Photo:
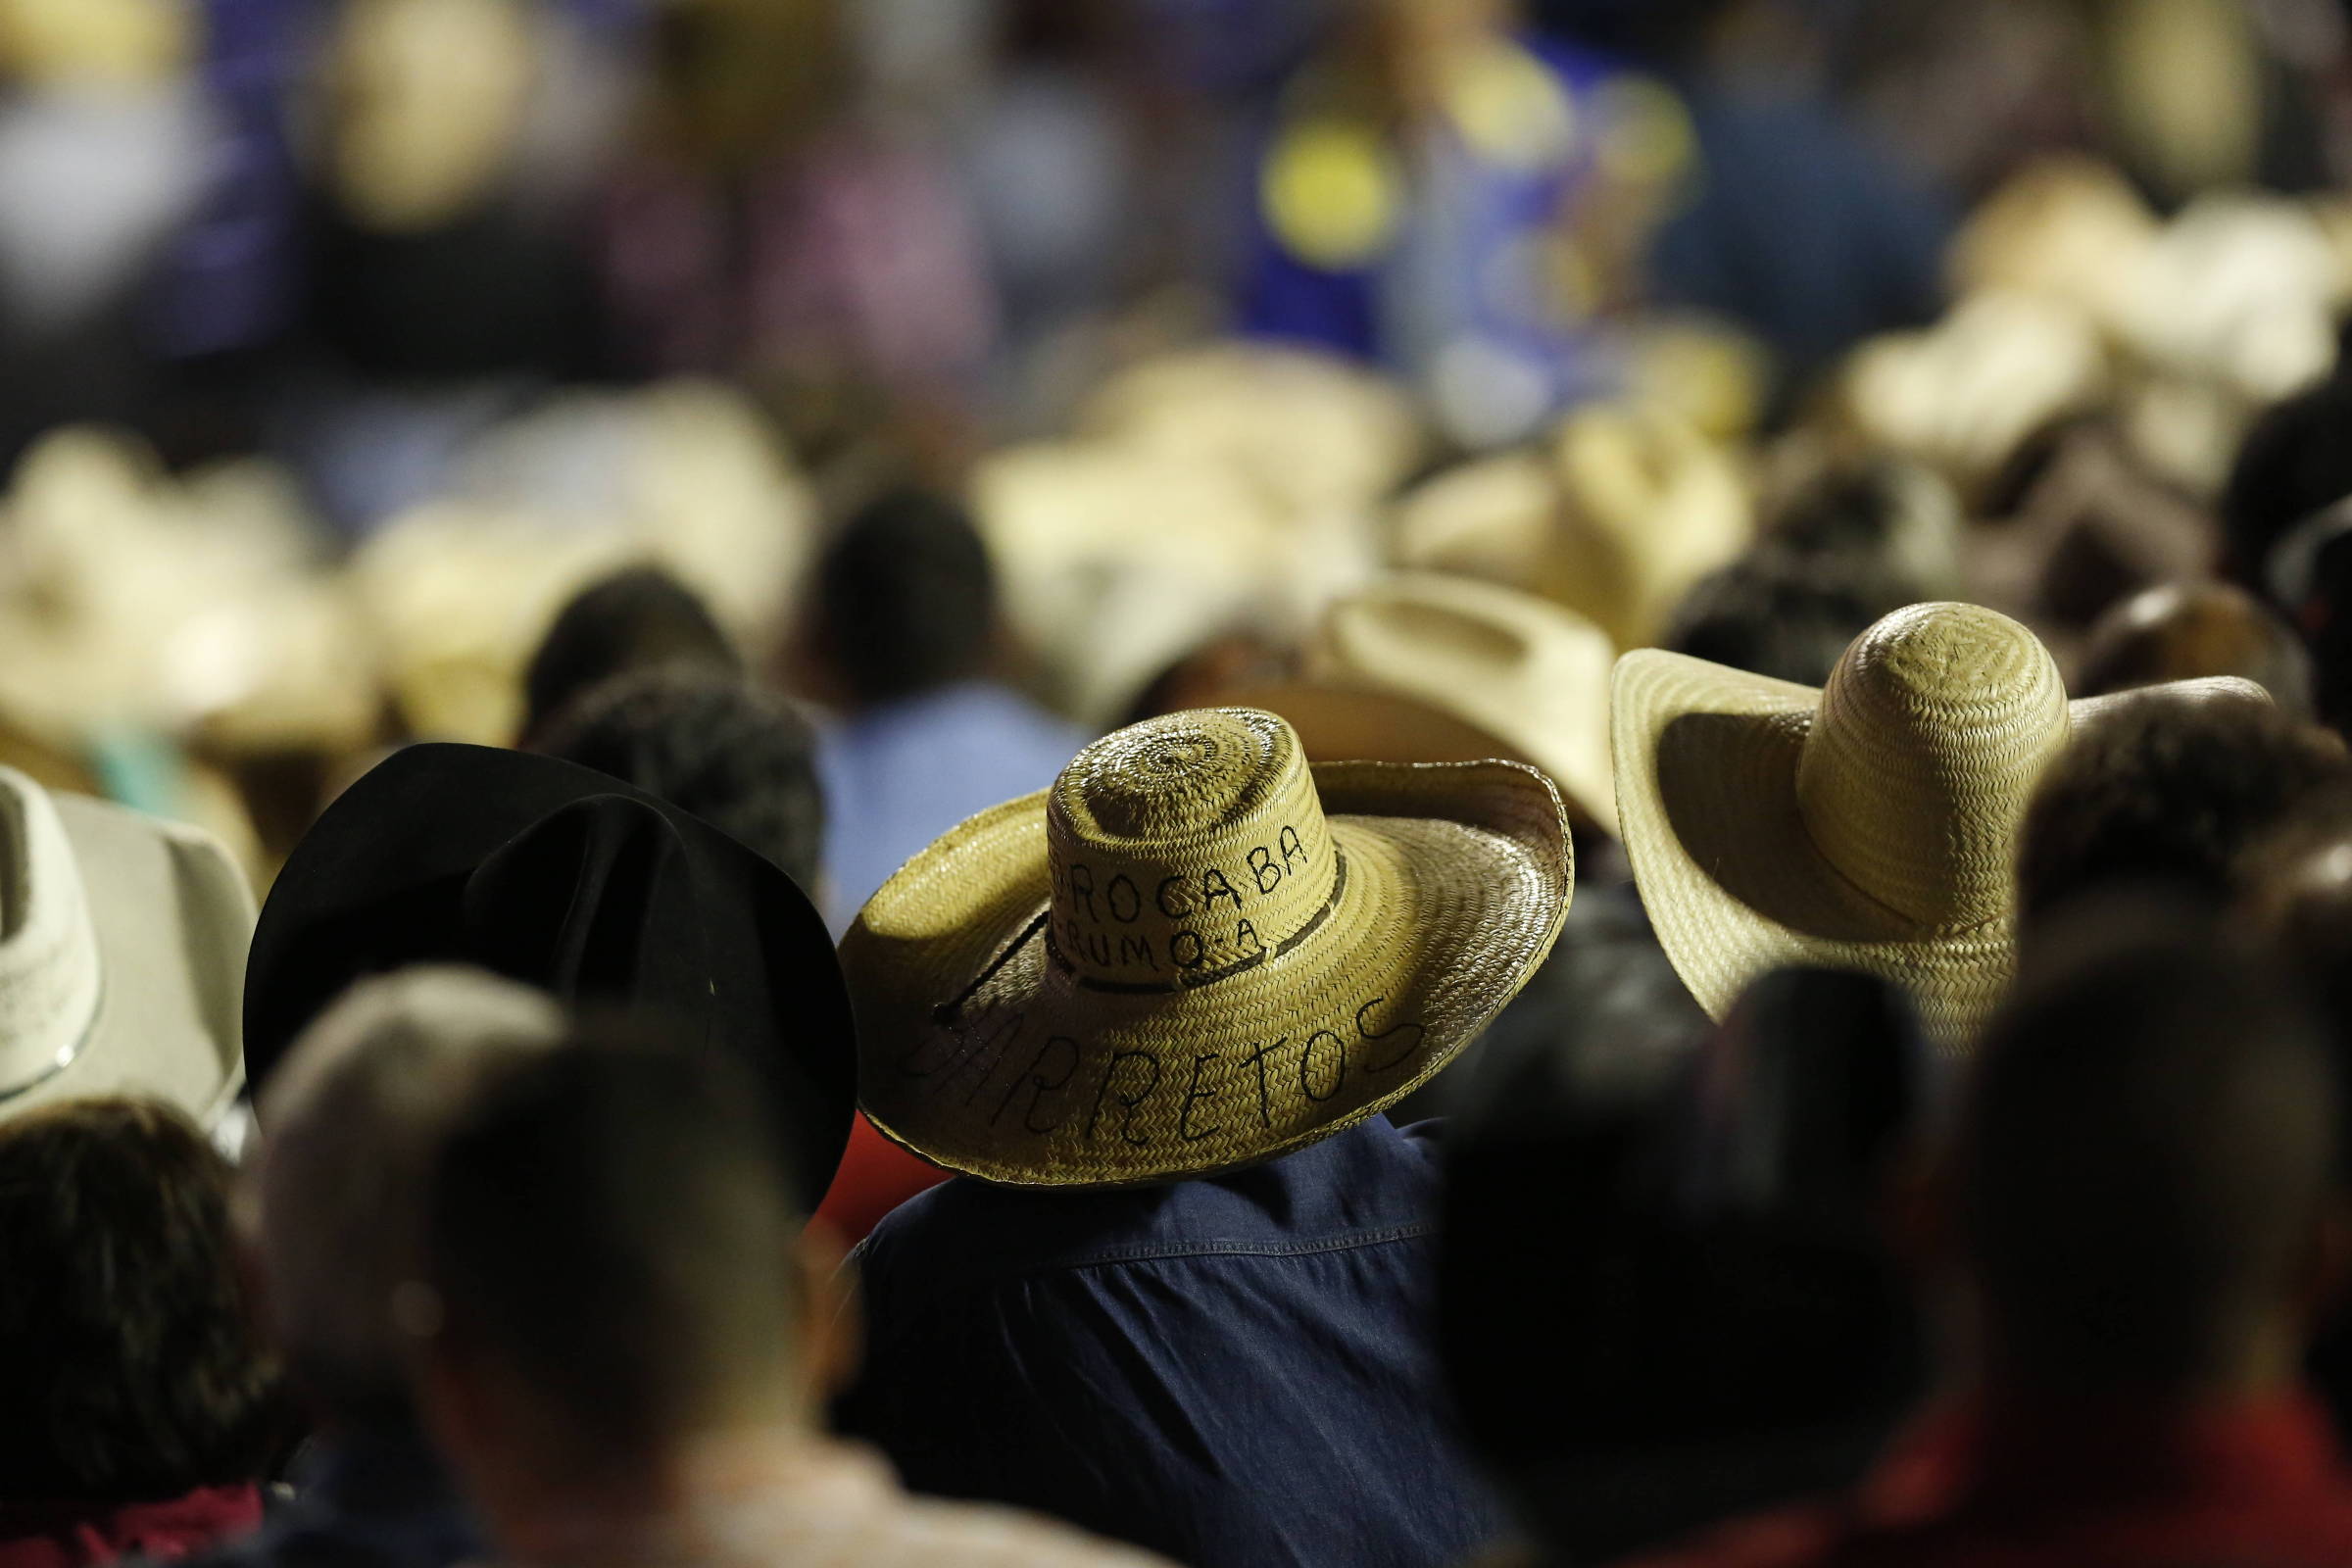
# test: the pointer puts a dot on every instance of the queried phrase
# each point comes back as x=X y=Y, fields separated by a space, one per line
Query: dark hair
x=2145 y=1143
x=129 y=1368
x=610 y=1225
x=635 y=619
x=737 y=757
x=2294 y=461
x=1783 y=614
x=2170 y=790
x=906 y=599
x=2183 y=631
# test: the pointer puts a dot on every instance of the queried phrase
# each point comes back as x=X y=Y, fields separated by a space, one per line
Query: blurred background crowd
x=346 y=340
x=830 y=416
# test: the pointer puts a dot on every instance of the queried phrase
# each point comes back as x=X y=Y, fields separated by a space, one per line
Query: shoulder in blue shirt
x=1231 y=1371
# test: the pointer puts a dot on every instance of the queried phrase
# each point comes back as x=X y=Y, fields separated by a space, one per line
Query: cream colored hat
x=1871 y=825
x=1442 y=664
x=1195 y=953
x=1311 y=430
x=1617 y=521
x=1966 y=394
x=122 y=956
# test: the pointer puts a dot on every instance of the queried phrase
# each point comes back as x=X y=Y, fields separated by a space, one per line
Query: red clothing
x=875 y=1177
x=71 y=1535
x=2065 y=1486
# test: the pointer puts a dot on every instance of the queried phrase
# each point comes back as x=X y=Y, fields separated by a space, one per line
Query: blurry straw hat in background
x=1707 y=371
x=105 y=562
x=2240 y=289
x=1627 y=509
x=688 y=470
x=1315 y=432
x=122 y=968
x=458 y=597
x=1422 y=667
x=1965 y=394
x=1196 y=952
x=1116 y=561
x=2066 y=228
x=1871 y=825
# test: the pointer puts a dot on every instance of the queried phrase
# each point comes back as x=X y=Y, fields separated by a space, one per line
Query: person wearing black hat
x=588 y=892
x=572 y=882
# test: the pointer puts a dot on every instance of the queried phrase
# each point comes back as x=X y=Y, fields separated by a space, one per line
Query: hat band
x=945 y=1013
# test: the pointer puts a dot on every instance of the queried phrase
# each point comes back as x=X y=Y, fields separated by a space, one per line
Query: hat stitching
x=1194 y=982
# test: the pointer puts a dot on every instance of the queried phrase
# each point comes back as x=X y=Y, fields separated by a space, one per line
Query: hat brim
x=172 y=915
x=984 y=1053
x=1706 y=791
x=1337 y=723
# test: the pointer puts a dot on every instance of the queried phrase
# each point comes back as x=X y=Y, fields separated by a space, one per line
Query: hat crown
x=1185 y=848
x=1932 y=732
x=49 y=956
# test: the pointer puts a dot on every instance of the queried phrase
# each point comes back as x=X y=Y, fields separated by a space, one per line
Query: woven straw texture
x=1195 y=953
x=1870 y=825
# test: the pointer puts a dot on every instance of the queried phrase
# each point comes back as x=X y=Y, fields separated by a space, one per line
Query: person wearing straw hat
x=1156 y=1011
x=1870 y=824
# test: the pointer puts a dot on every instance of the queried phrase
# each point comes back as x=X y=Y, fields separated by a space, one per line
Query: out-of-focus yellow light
x=96 y=41
x=1511 y=108
x=433 y=93
x=1332 y=195
x=1647 y=138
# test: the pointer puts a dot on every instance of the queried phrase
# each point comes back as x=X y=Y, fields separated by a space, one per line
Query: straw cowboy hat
x=1627 y=509
x=1118 y=559
x=123 y=966
x=1420 y=668
x=1870 y=825
x=1967 y=393
x=1312 y=430
x=1196 y=952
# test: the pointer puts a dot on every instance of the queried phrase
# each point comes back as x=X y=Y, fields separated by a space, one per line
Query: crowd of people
x=1378 y=784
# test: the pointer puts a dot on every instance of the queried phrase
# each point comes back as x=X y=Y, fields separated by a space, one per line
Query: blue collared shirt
x=898 y=776
x=1236 y=1372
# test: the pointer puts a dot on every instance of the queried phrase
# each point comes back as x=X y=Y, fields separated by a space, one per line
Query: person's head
x=2138 y=1194
x=741 y=760
x=129 y=1364
x=2295 y=462
x=905 y=599
x=1879 y=521
x=2172 y=790
x=1781 y=614
x=2187 y=631
x=352 y=1118
x=638 y=619
x=2296 y=892
x=620 y=1278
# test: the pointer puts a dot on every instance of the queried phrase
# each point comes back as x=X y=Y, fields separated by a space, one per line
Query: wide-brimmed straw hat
x=125 y=957
x=1628 y=508
x=1424 y=667
x=1869 y=825
x=1196 y=952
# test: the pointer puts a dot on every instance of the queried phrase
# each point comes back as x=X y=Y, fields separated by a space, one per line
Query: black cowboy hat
x=564 y=879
